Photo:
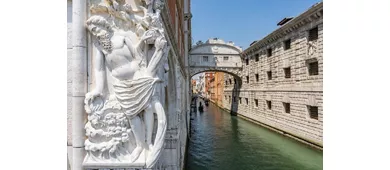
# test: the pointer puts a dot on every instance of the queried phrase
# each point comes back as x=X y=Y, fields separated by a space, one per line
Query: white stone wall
x=218 y=53
x=301 y=90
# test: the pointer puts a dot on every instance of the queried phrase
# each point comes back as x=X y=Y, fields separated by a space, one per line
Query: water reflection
x=221 y=141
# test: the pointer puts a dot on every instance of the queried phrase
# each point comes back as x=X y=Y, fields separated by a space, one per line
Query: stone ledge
x=281 y=89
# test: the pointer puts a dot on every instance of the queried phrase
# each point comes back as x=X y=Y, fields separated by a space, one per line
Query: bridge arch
x=234 y=73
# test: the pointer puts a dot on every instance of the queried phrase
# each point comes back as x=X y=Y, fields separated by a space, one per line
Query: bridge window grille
x=256 y=102
x=247 y=61
x=313 y=112
x=247 y=79
x=230 y=81
x=287 y=72
x=287 y=44
x=257 y=77
x=240 y=100
x=286 y=107
x=257 y=56
x=225 y=58
x=269 y=74
x=269 y=52
x=205 y=58
x=313 y=68
x=246 y=101
x=269 y=105
x=226 y=82
x=313 y=34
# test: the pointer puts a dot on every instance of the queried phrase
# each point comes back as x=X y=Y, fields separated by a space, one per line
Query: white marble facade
x=133 y=73
x=215 y=55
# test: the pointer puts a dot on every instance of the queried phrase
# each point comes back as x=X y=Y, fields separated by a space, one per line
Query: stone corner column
x=79 y=77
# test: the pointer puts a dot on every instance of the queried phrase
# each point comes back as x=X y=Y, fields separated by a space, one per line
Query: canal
x=221 y=141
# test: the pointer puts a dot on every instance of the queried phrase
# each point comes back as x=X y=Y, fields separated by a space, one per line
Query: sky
x=241 y=21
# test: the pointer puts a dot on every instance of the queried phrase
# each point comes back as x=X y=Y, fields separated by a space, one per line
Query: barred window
x=287 y=44
x=269 y=74
x=287 y=72
x=205 y=58
x=257 y=77
x=256 y=102
x=257 y=57
x=269 y=52
x=313 y=68
x=246 y=101
x=269 y=105
x=313 y=112
x=225 y=58
x=286 y=107
x=313 y=34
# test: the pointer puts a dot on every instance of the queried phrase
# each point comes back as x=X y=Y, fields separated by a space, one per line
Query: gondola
x=200 y=108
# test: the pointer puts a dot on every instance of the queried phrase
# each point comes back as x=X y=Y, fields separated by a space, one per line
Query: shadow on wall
x=235 y=95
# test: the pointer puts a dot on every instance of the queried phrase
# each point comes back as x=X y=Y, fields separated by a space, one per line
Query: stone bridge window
x=247 y=61
x=256 y=102
x=257 y=77
x=230 y=81
x=246 y=101
x=205 y=58
x=225 y=58
x=247 y=79
x=257 y=57
x=313 y=34
x=240 y=100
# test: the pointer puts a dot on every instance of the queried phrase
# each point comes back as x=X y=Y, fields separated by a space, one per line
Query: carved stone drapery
x=130 y=43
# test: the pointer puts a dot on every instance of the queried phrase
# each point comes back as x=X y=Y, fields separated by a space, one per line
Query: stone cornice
x=295 y=88
x=212 y=54
x=313 y=13
x=210 y=44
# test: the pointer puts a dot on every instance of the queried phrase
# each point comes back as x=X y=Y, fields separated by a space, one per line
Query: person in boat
x=200 y=107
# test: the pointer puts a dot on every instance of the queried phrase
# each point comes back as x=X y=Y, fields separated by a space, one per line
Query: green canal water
x=221 y=141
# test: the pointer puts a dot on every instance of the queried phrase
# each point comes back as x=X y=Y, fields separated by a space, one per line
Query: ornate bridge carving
x=215 y=55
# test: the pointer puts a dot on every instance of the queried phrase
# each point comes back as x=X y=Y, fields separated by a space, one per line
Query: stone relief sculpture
x=131 y=50
x=312 y=48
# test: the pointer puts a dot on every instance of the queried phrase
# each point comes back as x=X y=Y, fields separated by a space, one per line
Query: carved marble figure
x=121 y=119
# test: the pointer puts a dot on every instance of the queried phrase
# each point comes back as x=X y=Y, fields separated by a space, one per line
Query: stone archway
x=235 y=91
